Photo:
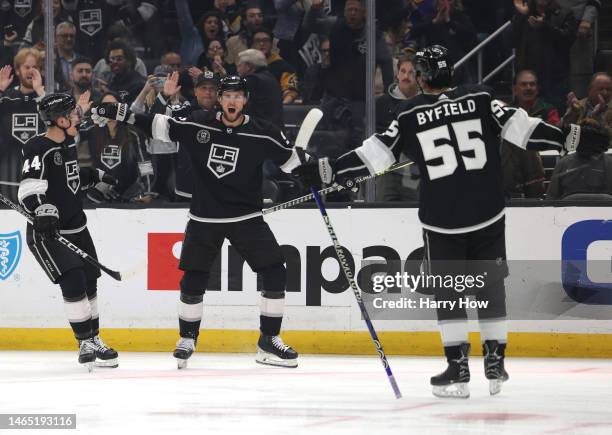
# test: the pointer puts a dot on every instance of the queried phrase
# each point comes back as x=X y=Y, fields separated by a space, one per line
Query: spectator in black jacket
x=313 y=85
x=451 y=28
x=344 y=99
x=126 y=82
x=543 y=33
x=265 y=100
x=118 y=149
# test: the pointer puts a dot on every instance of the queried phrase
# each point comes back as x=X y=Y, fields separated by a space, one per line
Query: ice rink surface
x=230 y=394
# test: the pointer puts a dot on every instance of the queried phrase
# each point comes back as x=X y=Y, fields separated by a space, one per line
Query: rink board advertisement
x=145 y=246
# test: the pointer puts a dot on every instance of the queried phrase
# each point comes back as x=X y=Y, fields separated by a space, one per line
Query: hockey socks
x=272 y=308
x=190 y=315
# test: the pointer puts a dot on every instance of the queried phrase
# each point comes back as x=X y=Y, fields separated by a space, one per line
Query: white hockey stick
x=309 y=124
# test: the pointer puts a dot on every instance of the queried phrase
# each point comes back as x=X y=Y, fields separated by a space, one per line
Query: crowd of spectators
x=294 y=54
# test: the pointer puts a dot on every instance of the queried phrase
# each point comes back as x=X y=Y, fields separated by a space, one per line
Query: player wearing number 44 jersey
x=50 y=189
x=453 y=135
x=227 y=155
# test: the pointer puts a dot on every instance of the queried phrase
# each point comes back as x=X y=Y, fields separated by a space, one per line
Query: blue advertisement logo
x=10 y=252
x=574 y=246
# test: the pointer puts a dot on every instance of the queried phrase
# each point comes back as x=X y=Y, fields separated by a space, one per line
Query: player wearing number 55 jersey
x=50 y=189
x=453 y=135
x=227 y=154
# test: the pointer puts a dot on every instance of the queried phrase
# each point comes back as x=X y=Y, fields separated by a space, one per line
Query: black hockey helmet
x=433 y=65
x=53 y=106
x=232 y=83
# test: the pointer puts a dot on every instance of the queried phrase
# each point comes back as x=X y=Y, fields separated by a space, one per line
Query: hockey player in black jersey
x=227 y=153
x=453 y=135
x=50 y=188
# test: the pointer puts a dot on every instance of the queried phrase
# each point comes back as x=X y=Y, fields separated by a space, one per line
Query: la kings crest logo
x=72 y=176
x=23 y=7
x=222 y=160
x=25 y=126
x=111 y=156
x=90 y=21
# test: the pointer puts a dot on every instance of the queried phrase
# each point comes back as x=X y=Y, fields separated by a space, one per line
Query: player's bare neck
x=238 y=122
x=56 y=134
x=432 y=91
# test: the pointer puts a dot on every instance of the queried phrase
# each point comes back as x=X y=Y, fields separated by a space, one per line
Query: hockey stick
x=349 y=277
x=67 y=243
x=334 y=188
x=309 y=124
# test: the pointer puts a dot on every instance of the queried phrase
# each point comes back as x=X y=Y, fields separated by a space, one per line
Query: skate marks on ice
x=229 y=393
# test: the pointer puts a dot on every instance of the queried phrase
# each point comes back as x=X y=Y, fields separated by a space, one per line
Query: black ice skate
x=87 y=353
x=494 y=353
x=272 y=351
x=453 y=382
x=184 y=349
x=105 y=356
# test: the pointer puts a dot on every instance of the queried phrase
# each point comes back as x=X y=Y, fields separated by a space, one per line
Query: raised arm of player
x=377 y=153
x=524 y=131
x=157 y=126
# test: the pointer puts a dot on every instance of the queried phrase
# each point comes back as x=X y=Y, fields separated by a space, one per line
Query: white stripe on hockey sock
x=494 y=329
x=272 y=307
x=79 y=311
x=454 y=332
x=93 y=303
x=190 y=312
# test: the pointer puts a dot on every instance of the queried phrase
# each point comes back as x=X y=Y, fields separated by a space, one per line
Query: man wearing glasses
x=65 y=34
x=126 y=81
x=227 y=154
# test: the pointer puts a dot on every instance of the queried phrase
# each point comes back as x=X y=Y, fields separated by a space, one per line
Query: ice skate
x=453 y=382
x=494 y=353
x=105 y=356
x=272 y=351
x=87 y=353
x=184 y=349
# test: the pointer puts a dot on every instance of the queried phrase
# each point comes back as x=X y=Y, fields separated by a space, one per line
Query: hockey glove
x=585 y=139
x=118 y=111
x=107 y=178
x=46 y=220
x=315 y=172
x=103 y=192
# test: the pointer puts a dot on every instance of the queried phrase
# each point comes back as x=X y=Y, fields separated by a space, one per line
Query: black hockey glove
x=118 y=111
x=585 y=139
x=315 y=172
x=46 y=220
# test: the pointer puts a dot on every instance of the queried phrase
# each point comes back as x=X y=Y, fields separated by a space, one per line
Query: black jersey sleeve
x=524 y=131
x=280 y=150
x=34 y=175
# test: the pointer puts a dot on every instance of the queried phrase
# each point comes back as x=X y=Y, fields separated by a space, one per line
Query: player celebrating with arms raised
x=51 y=183
x=227 y=154
x=453 y=135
